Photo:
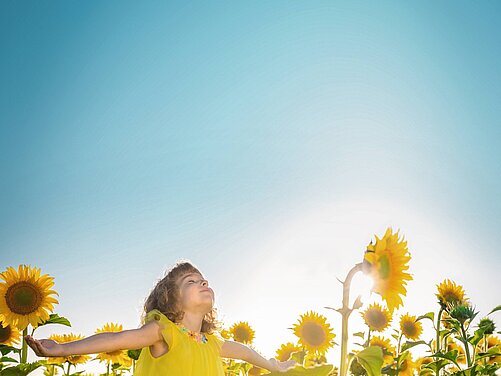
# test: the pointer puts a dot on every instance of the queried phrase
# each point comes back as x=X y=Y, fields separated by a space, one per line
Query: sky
x=267 y=142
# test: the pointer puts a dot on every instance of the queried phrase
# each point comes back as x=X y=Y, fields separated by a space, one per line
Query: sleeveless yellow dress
x=186 y=356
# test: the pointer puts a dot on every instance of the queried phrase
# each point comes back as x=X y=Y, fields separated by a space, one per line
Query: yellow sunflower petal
x=376 y=317
x=410 y=328
x=25 y=297
x=387 y=263
x=314 y=333
x=9 y=335
x=242 y=332
x=285 y=351
x=449 y=293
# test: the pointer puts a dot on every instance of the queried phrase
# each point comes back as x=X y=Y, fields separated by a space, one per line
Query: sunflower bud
x=487 y=326
x=462 y=312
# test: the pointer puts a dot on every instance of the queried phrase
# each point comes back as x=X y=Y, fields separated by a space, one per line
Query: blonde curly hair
x=165 y=297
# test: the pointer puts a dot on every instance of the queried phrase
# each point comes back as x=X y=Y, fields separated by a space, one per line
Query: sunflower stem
x=398 y=353
x=438 y=329
x=437 y=340
x=345 y=312
x=485 y=348
x=107 y=369
x=465 y=343
x=68 y=369
x=24 y=349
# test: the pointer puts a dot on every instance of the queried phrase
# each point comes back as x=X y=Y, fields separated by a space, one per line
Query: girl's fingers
x=40 y=348
x=37 y=347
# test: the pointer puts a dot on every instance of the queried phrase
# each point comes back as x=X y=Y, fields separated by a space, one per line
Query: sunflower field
x=463 y=343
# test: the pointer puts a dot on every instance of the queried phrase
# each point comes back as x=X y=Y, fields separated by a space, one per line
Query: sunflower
x=9 y=335
x=492 y=341
x=385 y=344
x=242 y=332
x=286 y=350
x=73 y=359
x=408 y=366
x=410 y=328
x=117 y=356
x=314 y=333
x=312 y=360
x=386 y=262
x=25 y=296
x=376 y=317
x=421 y=362
x=445 y=319
x=450 y=293
x=452 y=345
x=225 y=334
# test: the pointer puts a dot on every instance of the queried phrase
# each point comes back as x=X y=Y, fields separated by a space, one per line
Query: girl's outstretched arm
x=236 y=350
x=147 y=335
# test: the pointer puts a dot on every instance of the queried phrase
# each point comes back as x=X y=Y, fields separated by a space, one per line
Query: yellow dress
x=186 y=356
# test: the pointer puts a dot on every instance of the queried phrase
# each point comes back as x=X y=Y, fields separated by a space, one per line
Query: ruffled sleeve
x=168 y=327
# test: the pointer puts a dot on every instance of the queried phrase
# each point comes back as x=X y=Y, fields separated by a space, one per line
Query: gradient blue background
x=267 y=141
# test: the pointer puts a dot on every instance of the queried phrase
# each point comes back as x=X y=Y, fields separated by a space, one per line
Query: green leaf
x=4 y=349
x=54 y=318
x=437 y=365
x=498 y=308
x=298 y=356
x=409 y=344
x=477 y=337
x=451 y=356
x=371 y=358
x=322 y=370
x=134 y=354
x=389 y=370
x=429 y=316
x=5 y=359
x=22 y=369
x=359 y=334
x=401 y=358
x=493 y=351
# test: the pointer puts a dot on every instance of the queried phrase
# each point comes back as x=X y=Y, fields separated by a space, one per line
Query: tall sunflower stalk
x=386 y=262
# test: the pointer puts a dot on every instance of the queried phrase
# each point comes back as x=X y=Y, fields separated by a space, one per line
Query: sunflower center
x=451 y=297
x=409 y=329
x=384 y=267
x=5 y=333
x=23 y=298
x=313 y=334
x=241 y=335
x=376 y=319
x=114 y=353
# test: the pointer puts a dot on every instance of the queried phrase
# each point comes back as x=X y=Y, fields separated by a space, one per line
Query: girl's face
x=196 y=295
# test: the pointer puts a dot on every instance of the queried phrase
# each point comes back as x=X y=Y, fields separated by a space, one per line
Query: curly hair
x=166 y=293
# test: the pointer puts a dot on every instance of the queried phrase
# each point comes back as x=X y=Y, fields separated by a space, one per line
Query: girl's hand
x=277 y=366
x=44 y=347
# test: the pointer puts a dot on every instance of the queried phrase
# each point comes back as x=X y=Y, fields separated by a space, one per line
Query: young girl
x=178 y=337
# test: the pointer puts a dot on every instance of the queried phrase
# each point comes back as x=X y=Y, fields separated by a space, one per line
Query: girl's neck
x=192 y=321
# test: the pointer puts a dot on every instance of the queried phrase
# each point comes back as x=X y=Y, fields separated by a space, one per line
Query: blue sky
x=266 y=141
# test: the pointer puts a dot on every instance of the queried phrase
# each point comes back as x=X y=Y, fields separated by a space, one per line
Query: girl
x=178 y=337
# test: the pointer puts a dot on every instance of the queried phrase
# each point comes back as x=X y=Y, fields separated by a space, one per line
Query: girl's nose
x=205 y=283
